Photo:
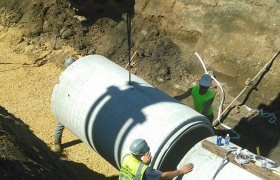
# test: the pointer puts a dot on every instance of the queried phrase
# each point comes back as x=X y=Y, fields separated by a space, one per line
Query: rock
x=92 y=50
x=20 y=39
x=67 y=33
x=144 y=32
x=80 y=18
x=163 y=72
x=159 y=79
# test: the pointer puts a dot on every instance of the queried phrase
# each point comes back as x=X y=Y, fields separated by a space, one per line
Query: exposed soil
x=36 y=37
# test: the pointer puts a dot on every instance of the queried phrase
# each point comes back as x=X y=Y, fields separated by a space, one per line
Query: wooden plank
x=251 y=167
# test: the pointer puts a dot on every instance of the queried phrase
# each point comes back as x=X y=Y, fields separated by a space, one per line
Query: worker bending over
x=60 y=127
x=135 y=166
x=202 y=96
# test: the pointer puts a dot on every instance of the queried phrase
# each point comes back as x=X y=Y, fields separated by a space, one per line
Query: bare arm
x=184 y=95
x=183 y=170
x=207 y=106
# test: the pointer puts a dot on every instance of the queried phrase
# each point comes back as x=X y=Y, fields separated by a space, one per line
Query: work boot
x=56 y=148
x=56 y=145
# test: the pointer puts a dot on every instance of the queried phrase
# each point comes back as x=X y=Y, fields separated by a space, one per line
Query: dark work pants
x=58 y=133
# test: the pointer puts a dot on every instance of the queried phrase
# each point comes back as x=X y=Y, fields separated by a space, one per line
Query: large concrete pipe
x=95 y=101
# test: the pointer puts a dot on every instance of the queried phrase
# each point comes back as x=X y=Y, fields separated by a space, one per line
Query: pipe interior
x=182 y=144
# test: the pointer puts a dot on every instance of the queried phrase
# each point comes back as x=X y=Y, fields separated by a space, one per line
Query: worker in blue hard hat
x=203 y=97
x=136 y=164
x=60 y=127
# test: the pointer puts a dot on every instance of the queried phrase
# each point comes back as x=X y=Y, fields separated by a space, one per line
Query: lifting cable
x=128 y=25
x=223 y=163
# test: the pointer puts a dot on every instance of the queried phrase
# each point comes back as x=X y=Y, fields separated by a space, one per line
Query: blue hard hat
x=205 y=80
x=139 y=147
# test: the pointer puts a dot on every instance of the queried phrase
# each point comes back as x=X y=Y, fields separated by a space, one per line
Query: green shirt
x=200 y=100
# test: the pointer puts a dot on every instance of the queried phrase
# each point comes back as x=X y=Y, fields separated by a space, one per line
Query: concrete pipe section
x=208 y=164
x=95 y=101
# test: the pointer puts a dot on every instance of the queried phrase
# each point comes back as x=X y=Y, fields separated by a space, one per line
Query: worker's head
x=68 y=61
x=139 y=147
x=205 y=81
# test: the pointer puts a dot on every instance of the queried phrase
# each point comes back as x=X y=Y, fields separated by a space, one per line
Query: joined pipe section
x=95 y=102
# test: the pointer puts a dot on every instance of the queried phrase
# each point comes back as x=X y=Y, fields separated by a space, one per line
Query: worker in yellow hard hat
x=203 y=97
x=136 y=164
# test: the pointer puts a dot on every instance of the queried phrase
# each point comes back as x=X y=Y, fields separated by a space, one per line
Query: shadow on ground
x=260 y=130
x=25 y=156
x=94 y=10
